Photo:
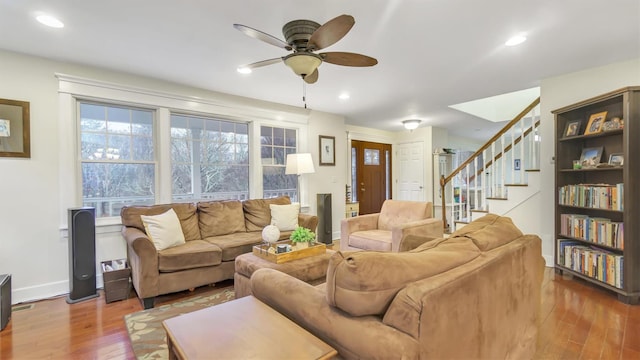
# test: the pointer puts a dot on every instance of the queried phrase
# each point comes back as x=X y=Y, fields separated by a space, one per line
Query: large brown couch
x=474 y=295
x=215 y=233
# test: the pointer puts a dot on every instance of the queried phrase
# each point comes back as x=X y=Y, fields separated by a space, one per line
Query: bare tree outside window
x=117 y=157
x=275 y=144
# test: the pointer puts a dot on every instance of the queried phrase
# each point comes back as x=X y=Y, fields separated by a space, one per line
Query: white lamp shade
x=303 y=63
x=299 y=164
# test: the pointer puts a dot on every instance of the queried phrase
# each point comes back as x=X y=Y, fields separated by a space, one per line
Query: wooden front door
x=373 y=175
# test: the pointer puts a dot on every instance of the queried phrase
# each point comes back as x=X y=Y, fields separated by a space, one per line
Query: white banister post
x=503 y=164
x=475 y=183
x=522 y=145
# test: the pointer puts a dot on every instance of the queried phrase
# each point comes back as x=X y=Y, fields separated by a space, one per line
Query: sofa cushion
x=164 y=229
x=186 y=212
x=377 y=240
x=257 y=214
x=398 y=212
x=490 y=231
x=233 y=245
x=365 y=282
x=220 y=218
x=190 y=255
x=285 y=217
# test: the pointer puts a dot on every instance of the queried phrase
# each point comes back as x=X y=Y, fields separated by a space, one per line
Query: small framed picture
x=613 y=124
x=590 y=157
x=616 y=159
x=572 y=128
x=595 y=123
x=327 y=150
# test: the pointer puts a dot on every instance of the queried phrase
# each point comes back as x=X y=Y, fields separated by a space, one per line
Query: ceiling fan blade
x=330 y=32
x=257 y=34
x=312 y=78
x=348 y=59
x=258 y=64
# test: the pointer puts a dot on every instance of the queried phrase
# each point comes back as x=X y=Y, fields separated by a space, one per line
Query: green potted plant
x=301 y=237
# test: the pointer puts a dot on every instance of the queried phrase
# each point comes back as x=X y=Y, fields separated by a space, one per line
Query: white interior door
x=411 y=175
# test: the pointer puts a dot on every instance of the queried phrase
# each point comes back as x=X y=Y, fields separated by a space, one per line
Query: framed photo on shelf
x=327 y=150
x=613 y=124
x=595 y=123
x=590 y=157
x=616 y=159
x=572 y=128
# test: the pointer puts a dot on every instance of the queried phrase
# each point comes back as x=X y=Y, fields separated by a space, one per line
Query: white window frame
x=71 y=89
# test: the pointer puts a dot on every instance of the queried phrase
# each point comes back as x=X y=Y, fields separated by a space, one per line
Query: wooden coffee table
x=241 y=329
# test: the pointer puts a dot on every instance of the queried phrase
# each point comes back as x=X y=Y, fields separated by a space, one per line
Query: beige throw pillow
x=285 y=217
x=164 y=230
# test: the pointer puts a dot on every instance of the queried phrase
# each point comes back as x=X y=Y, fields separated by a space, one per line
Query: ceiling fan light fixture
x=411 y=124
x=303 y=63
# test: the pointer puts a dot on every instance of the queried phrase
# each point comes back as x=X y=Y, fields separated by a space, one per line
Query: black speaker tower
x=324 y=233
x=5 y=300
x=82 y=254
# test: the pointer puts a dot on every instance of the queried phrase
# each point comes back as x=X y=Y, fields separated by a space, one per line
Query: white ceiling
x=431 y=53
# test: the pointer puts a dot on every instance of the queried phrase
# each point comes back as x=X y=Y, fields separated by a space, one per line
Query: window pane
x=142 y=148
x=142 y=122
x=109 y=186
x=278 y=156
x=210 y=163
x=278 y=137
x=266 y=135
x=109 y=178
x=290 y=136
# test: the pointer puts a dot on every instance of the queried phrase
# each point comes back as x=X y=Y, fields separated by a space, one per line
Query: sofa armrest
x=143 y=261
x=307 y=306
x=427 y=229
x=358 y=223
x=308 y=221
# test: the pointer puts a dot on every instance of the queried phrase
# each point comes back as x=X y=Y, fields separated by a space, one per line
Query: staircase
x=502 y=177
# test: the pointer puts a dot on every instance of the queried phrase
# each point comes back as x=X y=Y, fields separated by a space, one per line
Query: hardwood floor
x=579 y=321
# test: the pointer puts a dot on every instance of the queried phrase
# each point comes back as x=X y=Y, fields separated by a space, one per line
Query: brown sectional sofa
x=215 y=233
x=474 y=295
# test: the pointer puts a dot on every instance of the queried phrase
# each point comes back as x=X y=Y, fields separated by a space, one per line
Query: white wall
x=558 y=92
x=34 y=193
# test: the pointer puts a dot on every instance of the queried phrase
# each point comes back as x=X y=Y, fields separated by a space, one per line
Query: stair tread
x=497 y=198
x=516 y=184
x=461 y=221
x=533 y=170
x=479 y=210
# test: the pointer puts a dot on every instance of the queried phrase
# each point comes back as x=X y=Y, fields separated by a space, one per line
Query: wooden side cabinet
x=597 y=200
x=352 y=209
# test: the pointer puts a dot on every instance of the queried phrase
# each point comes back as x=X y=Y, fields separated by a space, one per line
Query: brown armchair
x=388 y=230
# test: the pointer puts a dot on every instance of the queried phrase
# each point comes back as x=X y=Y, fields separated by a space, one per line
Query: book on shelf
x=599 y=196
x=596 y=230
x=591 y=261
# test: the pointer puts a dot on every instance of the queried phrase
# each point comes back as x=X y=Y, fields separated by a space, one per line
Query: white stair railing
x=499 y=162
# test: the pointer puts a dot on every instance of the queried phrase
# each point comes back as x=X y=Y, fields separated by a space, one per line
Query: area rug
x=148 y=338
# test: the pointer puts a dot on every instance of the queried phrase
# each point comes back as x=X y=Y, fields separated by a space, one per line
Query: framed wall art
x=595 y=123
x=327 y=150
x=15 y=139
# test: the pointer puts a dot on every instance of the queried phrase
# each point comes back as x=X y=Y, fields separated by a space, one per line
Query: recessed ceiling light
x=344 y=96
x=244 y=70
x=49 y=21
x=516 y=40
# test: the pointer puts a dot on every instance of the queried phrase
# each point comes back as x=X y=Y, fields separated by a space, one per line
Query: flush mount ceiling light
x=516 y=40
x=49 y=21
x=344 y=96
x=244 y=70
x=411 y=124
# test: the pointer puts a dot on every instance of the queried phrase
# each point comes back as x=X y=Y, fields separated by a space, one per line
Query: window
x=117 y=157
x=209 y=158
x=275 y=144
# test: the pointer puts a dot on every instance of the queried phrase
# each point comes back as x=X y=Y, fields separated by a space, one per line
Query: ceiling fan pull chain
x=304 y=93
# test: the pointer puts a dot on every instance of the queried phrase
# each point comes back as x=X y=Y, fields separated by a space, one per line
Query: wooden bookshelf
x=590 y=259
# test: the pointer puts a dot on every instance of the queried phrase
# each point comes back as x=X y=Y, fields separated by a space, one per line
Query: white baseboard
x=45 y=291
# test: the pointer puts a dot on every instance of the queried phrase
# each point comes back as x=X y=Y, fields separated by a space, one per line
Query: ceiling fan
x=304 y=38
